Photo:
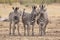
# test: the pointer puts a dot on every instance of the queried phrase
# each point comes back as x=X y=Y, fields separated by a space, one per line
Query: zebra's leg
x=10 y=29
x=44 y=29
x=14 y=29
x=40 y=29
x=45 y=25
x=28 y=29
x=24 y=30
x=18 y=29
x=32 y=30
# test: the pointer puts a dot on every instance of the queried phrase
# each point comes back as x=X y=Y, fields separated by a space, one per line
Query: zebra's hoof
x=24 y=34
x=19 y=34
x=28 y=35
x=14 y=35
x=9 y=33
x=40 y=34
x=32 y=34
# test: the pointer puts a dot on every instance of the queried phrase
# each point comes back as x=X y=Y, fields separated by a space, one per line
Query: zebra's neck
x=15 y=11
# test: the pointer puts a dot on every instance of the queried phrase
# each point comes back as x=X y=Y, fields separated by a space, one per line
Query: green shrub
x=30 y=1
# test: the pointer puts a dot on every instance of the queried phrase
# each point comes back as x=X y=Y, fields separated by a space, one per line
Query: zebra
x=29 y=19
x=14 y=18
x=42 y=20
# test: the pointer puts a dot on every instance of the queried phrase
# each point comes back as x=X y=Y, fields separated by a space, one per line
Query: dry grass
x=52 y=30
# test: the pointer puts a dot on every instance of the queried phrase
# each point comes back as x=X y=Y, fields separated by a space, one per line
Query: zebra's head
x=15 y=9
x=34 y=7
x=34 y=12
x=42 y=8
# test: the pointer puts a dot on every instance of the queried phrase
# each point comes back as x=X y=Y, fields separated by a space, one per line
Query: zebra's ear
x=34 y=7
x=40 y=5
x=13 y=8
x=17 y=8
x=44 y=6
x=23 y=9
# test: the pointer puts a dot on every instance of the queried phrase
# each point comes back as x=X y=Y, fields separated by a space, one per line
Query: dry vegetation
x=52 y=30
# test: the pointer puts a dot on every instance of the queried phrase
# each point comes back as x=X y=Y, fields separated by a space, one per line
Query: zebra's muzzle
x=16 y=19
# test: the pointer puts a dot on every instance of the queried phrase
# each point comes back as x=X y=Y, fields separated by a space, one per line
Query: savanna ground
x=52 y=30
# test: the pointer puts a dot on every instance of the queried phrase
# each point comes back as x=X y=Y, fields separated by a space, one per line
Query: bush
x=30 y=1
